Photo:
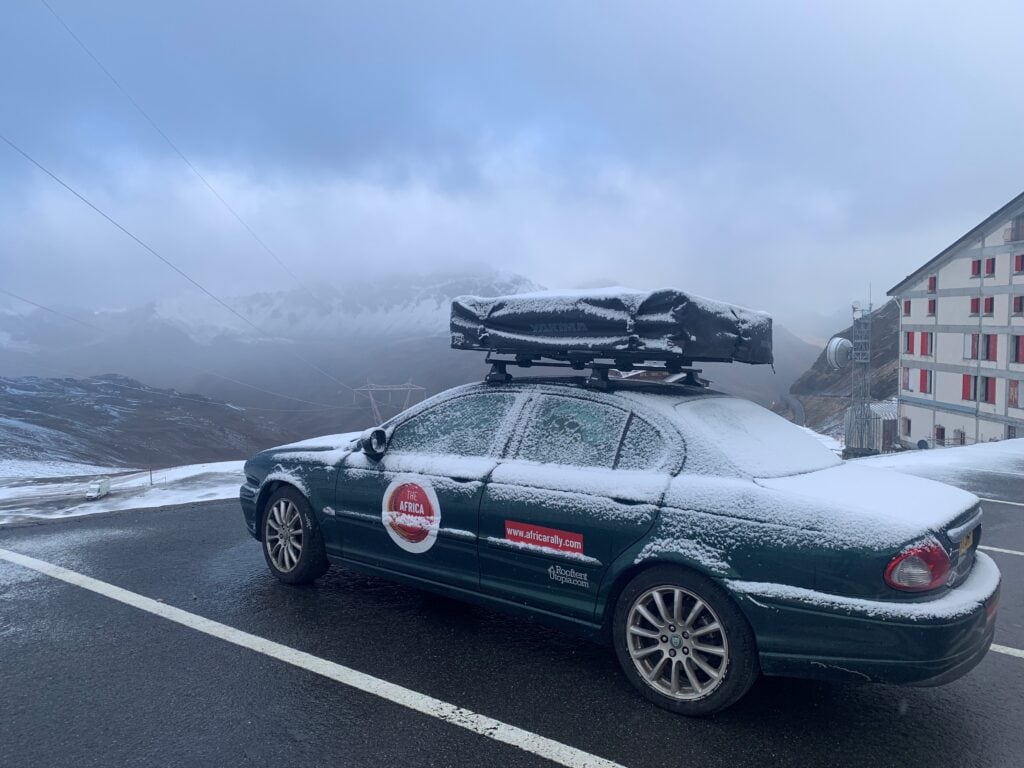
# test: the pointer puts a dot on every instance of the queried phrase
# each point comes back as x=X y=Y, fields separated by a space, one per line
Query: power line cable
x=184 y=159
x=162 y=258
x=112 y=334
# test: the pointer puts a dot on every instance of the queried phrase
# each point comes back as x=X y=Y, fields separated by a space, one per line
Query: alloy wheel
x=677 y=643
x=283 y=535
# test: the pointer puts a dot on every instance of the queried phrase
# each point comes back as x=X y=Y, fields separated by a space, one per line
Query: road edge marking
x=1000 y=549
x=1008 y=650
x=1002 y=501
x=549 y=749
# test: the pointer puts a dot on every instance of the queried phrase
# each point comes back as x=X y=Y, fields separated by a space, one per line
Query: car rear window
x=756 y=441
x=464 y=426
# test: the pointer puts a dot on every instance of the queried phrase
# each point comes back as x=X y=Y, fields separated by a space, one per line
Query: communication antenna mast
x=860 y=426
x=387 y=400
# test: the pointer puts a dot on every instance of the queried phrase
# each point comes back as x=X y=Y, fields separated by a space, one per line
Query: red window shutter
x=966 y=392
x=990 y=305
x=974 y=346
x=926 y=343
x=1018 y=262
x=924 y=381
x=993 y=347
x=906 y=306
x=910 y=342
x=975 y=305
x=990 y=266
x=1020 y=349
x=990 y=390
x=931 y=284
x=931 y=306
x=976 y=267
x=1013 y=394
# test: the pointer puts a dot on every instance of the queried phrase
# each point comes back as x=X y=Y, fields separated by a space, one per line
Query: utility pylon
x=390 y=398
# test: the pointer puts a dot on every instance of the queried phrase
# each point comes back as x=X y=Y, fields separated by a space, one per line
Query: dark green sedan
x=707 y=539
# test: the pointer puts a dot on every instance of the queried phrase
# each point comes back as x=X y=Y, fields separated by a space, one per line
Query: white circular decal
x=411 y=513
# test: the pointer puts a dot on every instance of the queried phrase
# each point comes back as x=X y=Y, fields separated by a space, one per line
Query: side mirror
x=374 y=442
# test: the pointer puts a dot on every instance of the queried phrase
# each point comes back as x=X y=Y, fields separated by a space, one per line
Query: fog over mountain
x=304 y=372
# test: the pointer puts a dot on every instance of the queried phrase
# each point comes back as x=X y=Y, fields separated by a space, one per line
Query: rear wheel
x=682 y=642
x=292 y=544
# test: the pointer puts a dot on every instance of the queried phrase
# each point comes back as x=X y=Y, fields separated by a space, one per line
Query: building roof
x=1016 y=205
x=887 y=410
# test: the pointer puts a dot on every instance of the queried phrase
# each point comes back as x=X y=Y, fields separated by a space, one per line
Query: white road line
x=1008 y=651
x=1000 y=549
x=549 y=749
x=1003 y=501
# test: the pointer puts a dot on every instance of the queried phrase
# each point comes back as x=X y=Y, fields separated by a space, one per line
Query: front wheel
x=292 y=543
x=682 y=642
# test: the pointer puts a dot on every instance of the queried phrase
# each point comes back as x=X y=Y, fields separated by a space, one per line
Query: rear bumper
x=801 y=633
x=247 y=496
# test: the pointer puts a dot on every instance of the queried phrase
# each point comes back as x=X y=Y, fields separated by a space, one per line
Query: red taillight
x=918 y=568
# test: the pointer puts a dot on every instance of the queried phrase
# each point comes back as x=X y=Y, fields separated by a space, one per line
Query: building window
x=1018 y=263
x=971 y=343
x=989 y=346
x=932 y=305
x=906 y=307
x=926 y=382
x=976 y=306
x=980 y=388
x=1018 y=305
x=976 y=268
x=932 y=280
x=926 y=343
x=959 y=437
x=940 y=435
x=1017 y=228
x=908 y=344
x=990 y=305
x=1017 y=343
x=906 y=380
x=1011 y=432
x=990 y=266
x=1013 y=393
x=906 y=427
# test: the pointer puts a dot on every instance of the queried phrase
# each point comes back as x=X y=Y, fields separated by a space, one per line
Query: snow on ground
x=1002 y=456
x=13 y=469
x=827 y=440
x=58 y=490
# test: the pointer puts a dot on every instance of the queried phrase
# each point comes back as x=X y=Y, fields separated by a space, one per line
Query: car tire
x=682 y=641
x=292 y=543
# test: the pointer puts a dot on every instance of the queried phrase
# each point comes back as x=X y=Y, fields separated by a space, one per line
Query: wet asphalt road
x=87 y=681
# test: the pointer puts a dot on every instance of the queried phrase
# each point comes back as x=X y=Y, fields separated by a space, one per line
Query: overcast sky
x=772 y=154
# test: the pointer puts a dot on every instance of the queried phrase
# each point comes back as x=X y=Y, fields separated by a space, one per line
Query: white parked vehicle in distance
x=98 y=490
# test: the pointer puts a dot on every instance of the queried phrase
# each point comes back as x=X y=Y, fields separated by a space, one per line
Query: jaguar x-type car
x=707 y=539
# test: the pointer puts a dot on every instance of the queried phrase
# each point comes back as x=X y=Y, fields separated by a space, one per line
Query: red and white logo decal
x=411 y=514
x=548 y=538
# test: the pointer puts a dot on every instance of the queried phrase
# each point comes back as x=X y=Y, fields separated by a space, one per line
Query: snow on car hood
x=325 y=443
x=878 y=504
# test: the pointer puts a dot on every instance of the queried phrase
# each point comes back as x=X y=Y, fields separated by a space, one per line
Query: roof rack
x=599 y=368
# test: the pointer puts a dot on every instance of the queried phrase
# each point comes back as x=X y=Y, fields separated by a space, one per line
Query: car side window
x=465 y=426
x=643 y=447
x=569 y=430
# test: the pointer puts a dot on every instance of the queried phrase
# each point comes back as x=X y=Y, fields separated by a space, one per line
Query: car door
x=415 y=510
x=580 y=487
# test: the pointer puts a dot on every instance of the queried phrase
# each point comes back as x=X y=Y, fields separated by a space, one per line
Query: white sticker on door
x=411 y=514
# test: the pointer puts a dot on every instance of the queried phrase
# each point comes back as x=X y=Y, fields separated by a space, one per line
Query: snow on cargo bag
x=615 y=323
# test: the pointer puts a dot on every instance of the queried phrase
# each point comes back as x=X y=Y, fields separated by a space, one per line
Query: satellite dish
x=838 y=353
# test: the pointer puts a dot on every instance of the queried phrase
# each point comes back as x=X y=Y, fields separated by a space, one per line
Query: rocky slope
x=824 y=393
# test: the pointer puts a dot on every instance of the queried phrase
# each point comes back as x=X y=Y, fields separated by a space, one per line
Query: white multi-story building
x=962 y=338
